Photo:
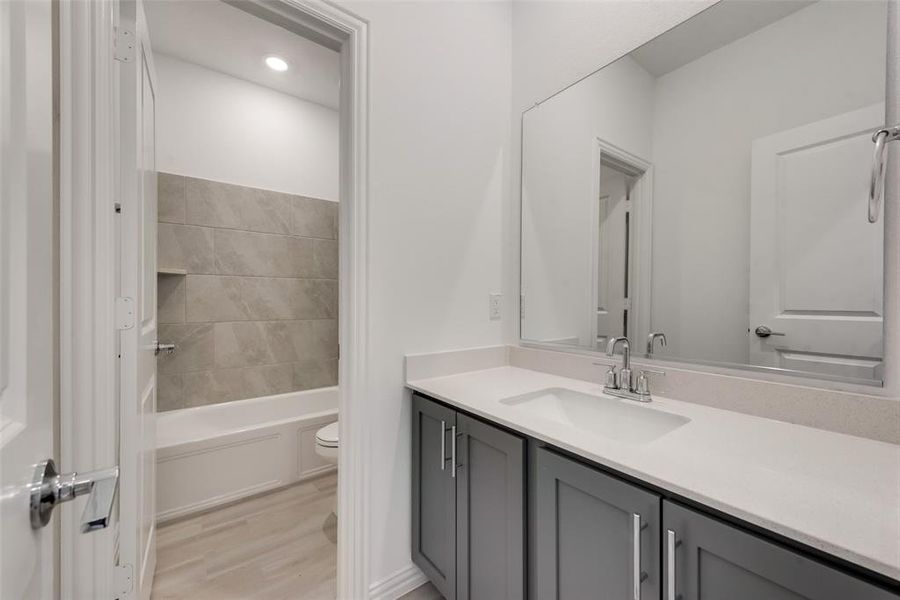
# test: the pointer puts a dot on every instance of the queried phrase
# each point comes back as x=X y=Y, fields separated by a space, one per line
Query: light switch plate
x=496 y=306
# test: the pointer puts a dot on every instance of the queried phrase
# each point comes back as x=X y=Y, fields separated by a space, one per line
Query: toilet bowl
x=327 y=448
x=327 y=443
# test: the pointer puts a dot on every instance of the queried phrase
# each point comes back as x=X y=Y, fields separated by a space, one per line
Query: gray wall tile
x=185 y=247
x=263 y=254
x=168 y=391
x=233 y=298
x=170 y=194
x=246 y=343
x=325 y=256
x=195 y=350
x=256 y=313
x=315 y=218
x=170 y=298
x=314 y=373
x=216 y=204
x=225 y=385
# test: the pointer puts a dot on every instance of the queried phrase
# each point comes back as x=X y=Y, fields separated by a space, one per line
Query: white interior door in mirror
x=816 y=262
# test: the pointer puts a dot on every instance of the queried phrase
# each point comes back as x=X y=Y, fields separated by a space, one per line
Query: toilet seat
x=328 y=436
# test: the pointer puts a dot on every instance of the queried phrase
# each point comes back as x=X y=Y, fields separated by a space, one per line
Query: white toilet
x=327 y=443
x=327 y=447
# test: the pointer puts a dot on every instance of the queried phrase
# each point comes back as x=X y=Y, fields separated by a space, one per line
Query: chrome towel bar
x=876 y=186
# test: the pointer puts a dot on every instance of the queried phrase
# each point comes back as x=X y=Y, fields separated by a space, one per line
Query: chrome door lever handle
x=764 y=331
x=49 y=488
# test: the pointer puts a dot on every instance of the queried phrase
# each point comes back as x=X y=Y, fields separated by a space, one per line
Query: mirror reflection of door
x=815 y=262
x=611 y=264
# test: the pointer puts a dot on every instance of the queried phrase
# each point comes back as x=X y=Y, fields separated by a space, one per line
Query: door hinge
x=124 y=580
x=123 y=49
x=627 y=304
x=124 y=313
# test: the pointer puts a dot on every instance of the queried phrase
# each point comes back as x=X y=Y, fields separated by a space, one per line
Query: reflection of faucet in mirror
x=652 y=338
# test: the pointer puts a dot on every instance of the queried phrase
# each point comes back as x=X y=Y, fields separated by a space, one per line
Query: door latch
x=49 y=488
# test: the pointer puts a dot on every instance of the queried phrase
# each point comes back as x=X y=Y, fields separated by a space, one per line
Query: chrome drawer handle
x=637 y=576
x=443 y=445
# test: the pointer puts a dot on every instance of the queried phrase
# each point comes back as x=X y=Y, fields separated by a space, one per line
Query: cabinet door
x=707 y=559
x=490 y=518
x=595 y=536
x=434 y=494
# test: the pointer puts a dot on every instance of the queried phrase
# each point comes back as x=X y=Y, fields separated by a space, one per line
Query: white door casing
x=638 y=173
x=815 y=261
x=137 y=181
x=28 y=345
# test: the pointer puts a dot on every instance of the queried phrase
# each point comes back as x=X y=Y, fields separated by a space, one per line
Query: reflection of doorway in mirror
x=620 y=228
x=816 y=290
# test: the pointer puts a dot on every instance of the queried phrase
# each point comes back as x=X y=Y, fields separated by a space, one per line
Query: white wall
x=555 y=43
x=439 y=118
x=214 y=126
x=559 y=192
x=821 y=61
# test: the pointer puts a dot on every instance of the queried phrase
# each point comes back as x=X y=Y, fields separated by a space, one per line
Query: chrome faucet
x=624 y=380
x=652 y=338
x=622 y=384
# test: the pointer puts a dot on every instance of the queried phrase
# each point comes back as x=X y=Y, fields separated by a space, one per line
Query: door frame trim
x=87 y=80
x=88 y=407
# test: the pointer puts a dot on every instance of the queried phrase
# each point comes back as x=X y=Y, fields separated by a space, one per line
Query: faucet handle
x=651 y=372
x=612 y=378
x=642 y=385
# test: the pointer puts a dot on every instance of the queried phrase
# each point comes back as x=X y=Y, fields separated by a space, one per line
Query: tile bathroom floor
x=277 y=546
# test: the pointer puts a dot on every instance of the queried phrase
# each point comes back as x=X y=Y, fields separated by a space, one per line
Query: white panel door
x=137 y=174
x=27 y=308
x=815 y=261
x=610 y=255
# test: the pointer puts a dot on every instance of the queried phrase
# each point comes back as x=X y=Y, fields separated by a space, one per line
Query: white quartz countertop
x=834 y=492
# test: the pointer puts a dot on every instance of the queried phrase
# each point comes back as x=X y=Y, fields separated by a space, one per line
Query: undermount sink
x=599 y=415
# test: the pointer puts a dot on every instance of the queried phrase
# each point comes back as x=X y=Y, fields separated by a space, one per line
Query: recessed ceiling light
x=276 y=64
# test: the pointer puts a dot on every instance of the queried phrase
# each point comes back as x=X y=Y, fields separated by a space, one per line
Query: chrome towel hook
x=876 y=186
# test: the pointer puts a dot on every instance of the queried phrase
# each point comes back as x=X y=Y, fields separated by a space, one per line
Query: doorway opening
x=246 y=145
x=620 y=246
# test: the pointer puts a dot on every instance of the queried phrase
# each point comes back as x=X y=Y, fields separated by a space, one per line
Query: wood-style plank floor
x=277 y=546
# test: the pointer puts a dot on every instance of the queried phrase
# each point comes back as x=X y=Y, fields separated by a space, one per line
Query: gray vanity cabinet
x=490 y=513
x=434 y=494
x=468 y=517
x=706 y=559
x=593 y=536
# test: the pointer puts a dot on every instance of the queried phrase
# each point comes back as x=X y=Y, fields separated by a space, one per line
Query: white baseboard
x=401 y=582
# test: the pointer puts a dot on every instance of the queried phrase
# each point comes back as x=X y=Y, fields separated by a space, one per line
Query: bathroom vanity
x=527 y=484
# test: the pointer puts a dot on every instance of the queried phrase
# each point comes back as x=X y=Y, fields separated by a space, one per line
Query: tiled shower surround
x=256 y=311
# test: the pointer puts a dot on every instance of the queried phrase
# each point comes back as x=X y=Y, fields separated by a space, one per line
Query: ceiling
x=711 y=29
x=215 y=35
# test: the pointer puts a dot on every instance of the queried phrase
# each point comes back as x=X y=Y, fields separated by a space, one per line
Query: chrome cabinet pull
x=453 y=451
x=670 y=565
x=49 y=488
x=443 y=445
x=637 y=576
x=765 y=331
x=876 y=184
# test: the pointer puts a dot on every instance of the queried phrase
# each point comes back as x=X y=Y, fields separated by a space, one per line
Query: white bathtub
x=215 y=454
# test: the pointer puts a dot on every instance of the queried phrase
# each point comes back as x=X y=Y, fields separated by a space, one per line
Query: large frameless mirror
x=712 y=186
